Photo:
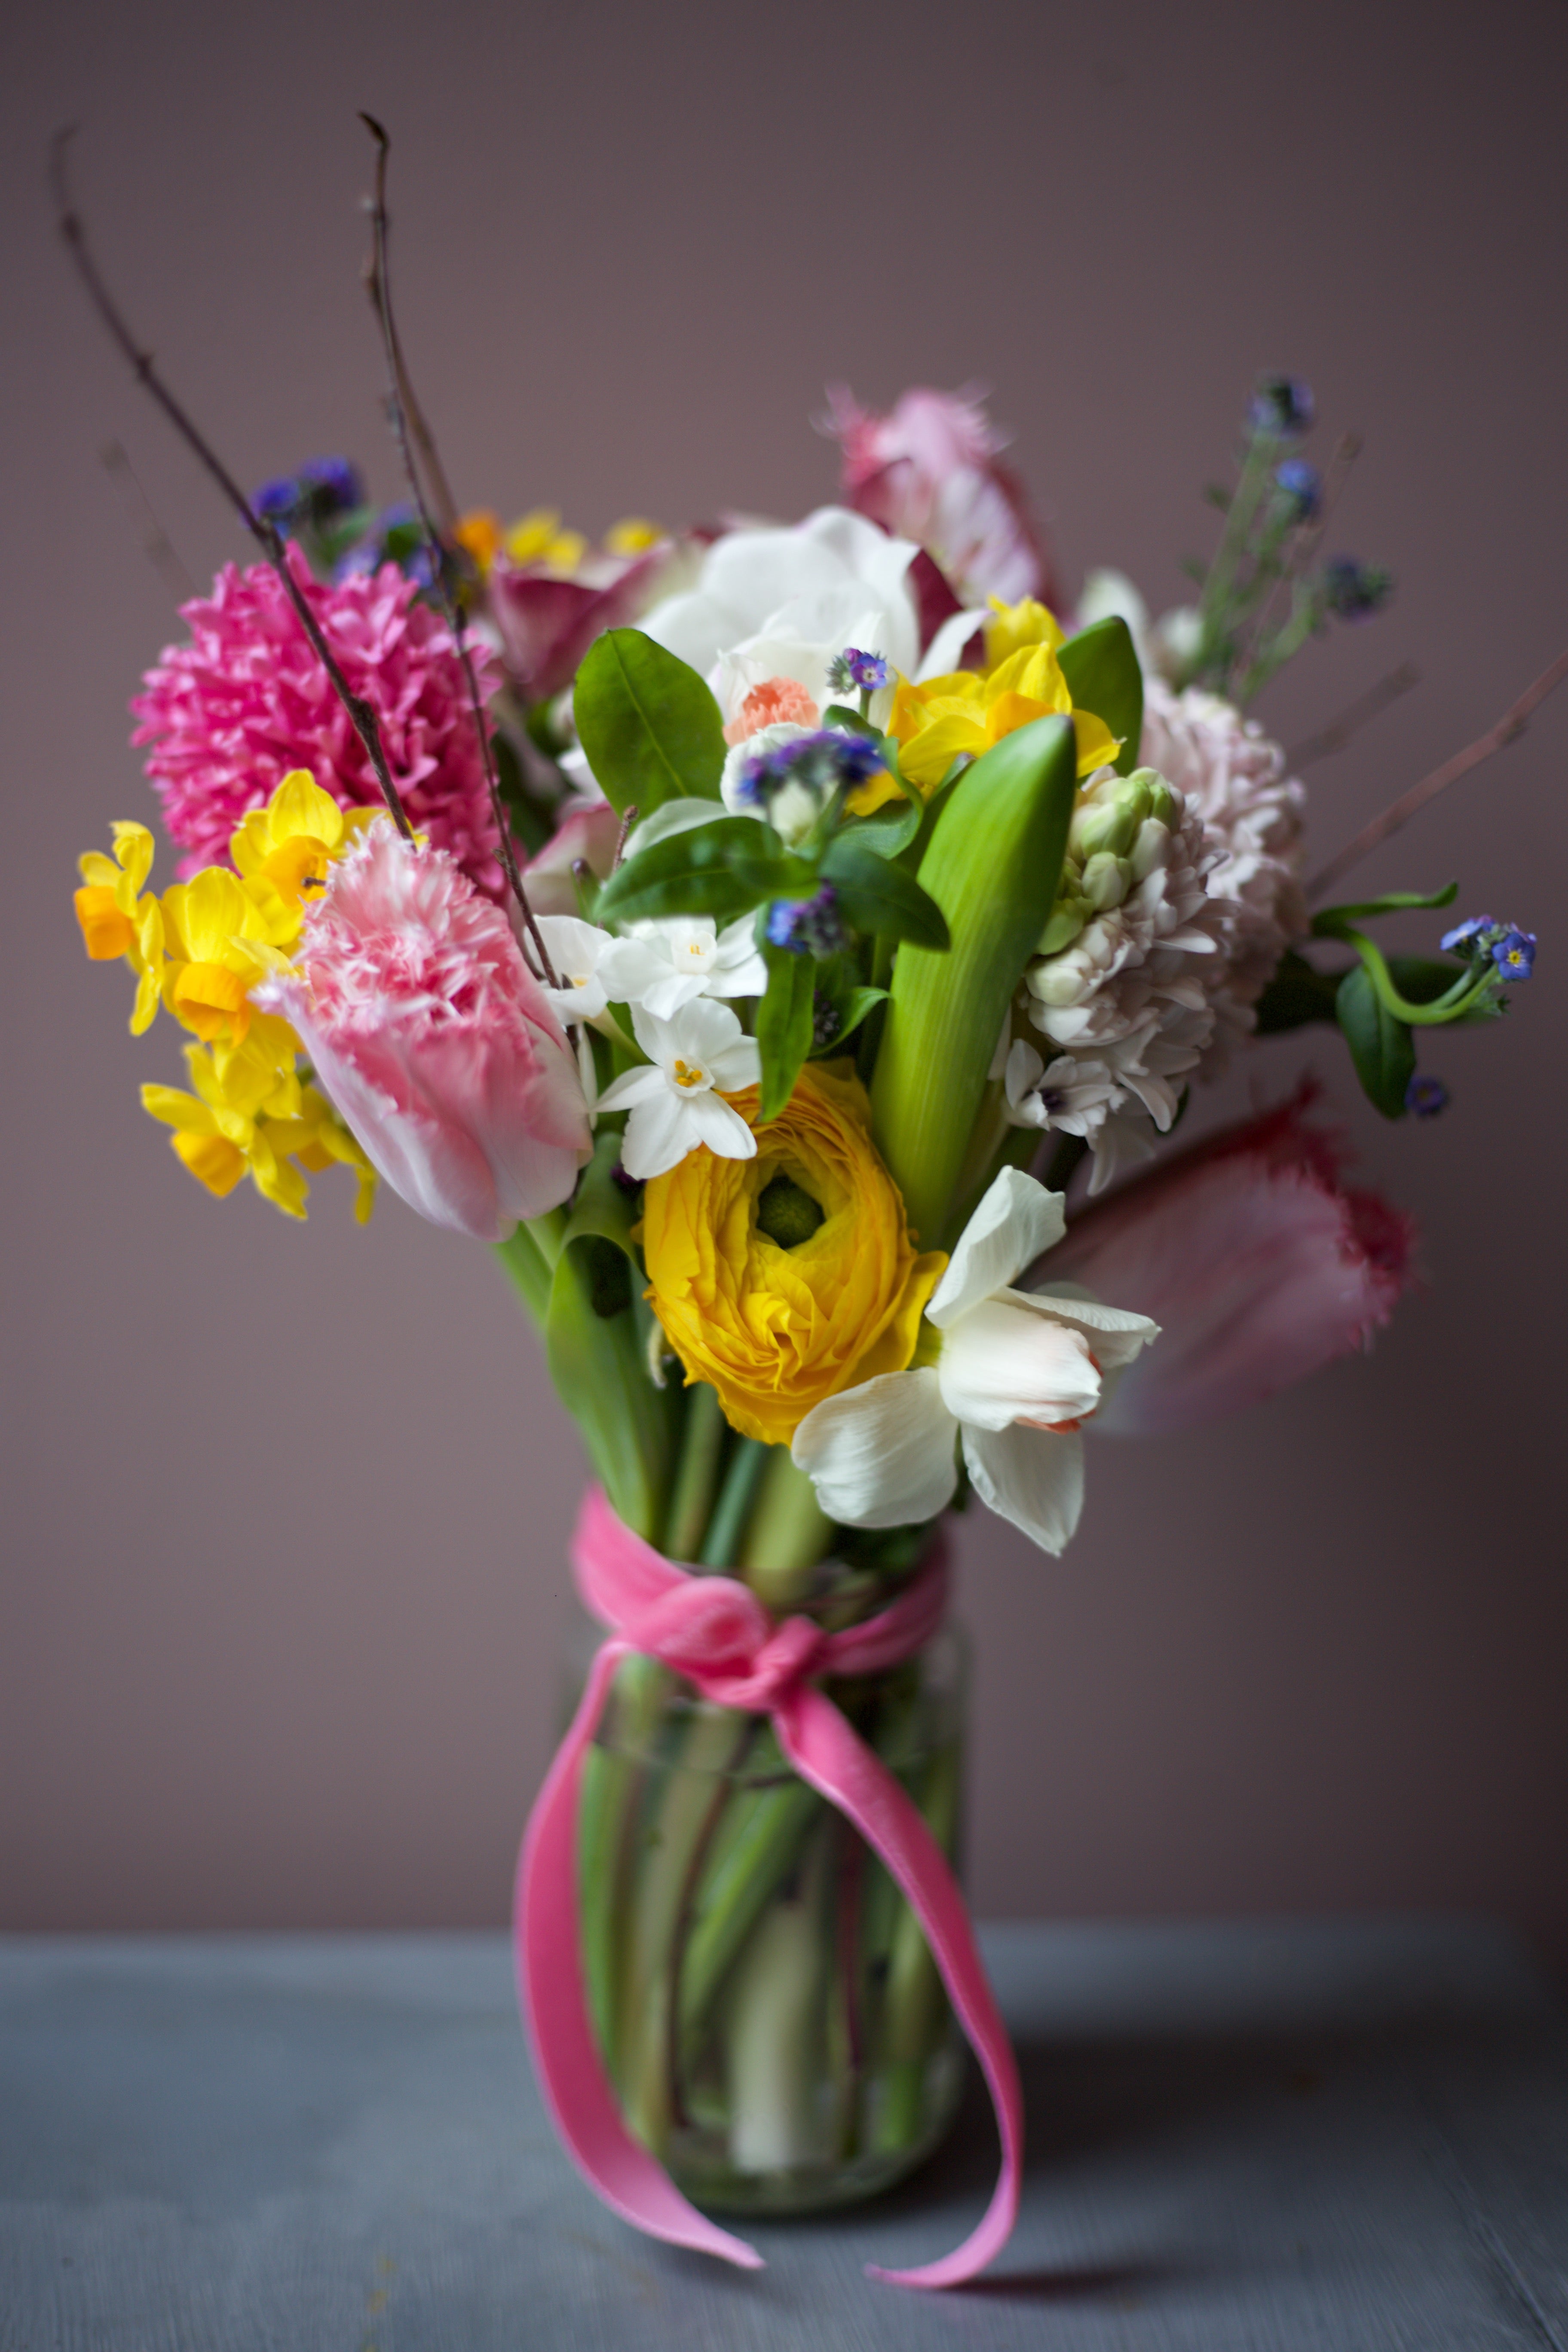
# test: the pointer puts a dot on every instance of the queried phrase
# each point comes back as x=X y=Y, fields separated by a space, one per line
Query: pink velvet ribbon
x=716 y=1634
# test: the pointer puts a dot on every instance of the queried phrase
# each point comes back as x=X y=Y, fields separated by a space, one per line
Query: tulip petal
x=880 y=1455
x=1016 y=1221
x=1031 y=1477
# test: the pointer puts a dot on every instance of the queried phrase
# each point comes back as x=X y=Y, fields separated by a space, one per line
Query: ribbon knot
x=716 y=1634
x=719 y=1636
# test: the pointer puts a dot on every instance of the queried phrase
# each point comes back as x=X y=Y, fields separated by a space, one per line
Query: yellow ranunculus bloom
x=933 y=723
x=776 y=1329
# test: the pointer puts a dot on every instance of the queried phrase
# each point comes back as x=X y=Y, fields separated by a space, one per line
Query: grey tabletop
x=1312 y=2135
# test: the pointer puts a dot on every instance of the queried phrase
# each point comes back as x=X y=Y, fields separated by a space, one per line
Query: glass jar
x=769 y=2015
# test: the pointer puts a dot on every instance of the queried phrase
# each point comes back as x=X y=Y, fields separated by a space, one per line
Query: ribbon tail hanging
x=828 y=1753
x=550 y=1984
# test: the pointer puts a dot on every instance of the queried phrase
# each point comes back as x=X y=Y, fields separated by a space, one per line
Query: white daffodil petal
x=736 y=1065
x=1115 y=1334
x=1031 y=1477
x=664 y=997
x=711 y=1121
x=660 y=1133
x=945 y=652
x=880 y=1455
x=1001 y=1363
x=633 y=1086
x=1015 y=1223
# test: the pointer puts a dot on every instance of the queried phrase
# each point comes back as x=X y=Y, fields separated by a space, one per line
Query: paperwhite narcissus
x=1017 y=1373
x=677 y=1098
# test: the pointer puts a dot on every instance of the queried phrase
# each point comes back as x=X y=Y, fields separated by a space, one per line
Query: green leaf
x=649 y=726
x=596 y=1341
x=718 y=870
x=1298 y=993
x=991 y=866
x=851 y=1013
x=1328 y=922
x=1380 y=1047
x=1100 y=666
x=784 y=1024
x=881 y=899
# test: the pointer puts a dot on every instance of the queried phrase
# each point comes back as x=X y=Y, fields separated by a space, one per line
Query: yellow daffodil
x=1012 y=627
x=964 y=713
x=249 y=1119
x=790 y=1275
x=478 y=534
x=117 y=920
x=537 y=538
x=282 y=852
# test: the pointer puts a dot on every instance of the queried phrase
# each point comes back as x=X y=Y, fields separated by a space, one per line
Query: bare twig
x=378 y=285
x=628 y=818
x=156 y=545
x=261 y=529
x=1355 y=716
x=1496 y=738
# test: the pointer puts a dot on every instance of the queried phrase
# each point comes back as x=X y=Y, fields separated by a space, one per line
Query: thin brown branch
x=1508 y=729
x=414 y=423
x=1353 y=717
x=261 y=529
x=629 y=816
x=156 y=545
x=378 y=285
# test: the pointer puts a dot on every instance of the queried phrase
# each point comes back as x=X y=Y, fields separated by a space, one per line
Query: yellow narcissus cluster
x=966 y=712
x=777 y=1325
x=197 y=952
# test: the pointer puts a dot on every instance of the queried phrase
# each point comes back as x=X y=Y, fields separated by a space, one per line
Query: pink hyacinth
x=931 y=470
x=433 y=1040
x=229 y=714
x=1258 y=1263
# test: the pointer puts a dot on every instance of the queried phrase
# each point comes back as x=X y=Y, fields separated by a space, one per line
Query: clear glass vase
x=768 y=2012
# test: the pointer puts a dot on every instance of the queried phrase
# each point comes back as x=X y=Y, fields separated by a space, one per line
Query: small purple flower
x=1514 y=953
x=1460 y=940
x=825 y=1022
x=278 y=500
x=1300 y=488
x=1282 y=404
x=1426 y=1097
x=810 y=926
x=334 y=483
x=853 y=670
x=1354 y=591
x=822 y=760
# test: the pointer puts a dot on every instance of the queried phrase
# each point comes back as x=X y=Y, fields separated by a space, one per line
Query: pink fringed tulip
x=434 y=1041
x=1257 y=1263
x=931 y=470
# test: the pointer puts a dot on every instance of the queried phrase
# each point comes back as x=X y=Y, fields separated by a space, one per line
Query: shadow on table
x=1158 y=2101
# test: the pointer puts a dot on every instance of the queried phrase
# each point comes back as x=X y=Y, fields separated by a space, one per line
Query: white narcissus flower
x=695 y=1058
x=672 y=961
x=577 y=952
x=1017 y=1372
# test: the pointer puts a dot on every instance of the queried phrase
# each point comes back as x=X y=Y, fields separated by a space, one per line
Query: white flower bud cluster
x=1124 y=991
x=1234 y=777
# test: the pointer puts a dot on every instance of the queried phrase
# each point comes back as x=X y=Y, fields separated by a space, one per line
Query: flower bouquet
x=786 y=945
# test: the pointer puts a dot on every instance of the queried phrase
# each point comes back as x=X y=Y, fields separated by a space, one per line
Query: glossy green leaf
x=649 y=726
x=1101 y=668
x=880 y=898
x=1297 y=993
x=851 y=1013
x=784 y=1024
x=596 y=1341
x=718 y=870
x=991 y=866
x=1380 y=1047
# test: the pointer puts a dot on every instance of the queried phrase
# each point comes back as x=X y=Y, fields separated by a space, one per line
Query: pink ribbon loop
x=716 y=1634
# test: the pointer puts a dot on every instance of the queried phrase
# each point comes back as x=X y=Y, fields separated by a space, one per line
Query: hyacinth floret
x=244 y=701
x=852 y=671
x=1282 y=405
x=810 y=926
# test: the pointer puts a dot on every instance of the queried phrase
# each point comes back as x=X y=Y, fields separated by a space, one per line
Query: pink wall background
x=278 y=1644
